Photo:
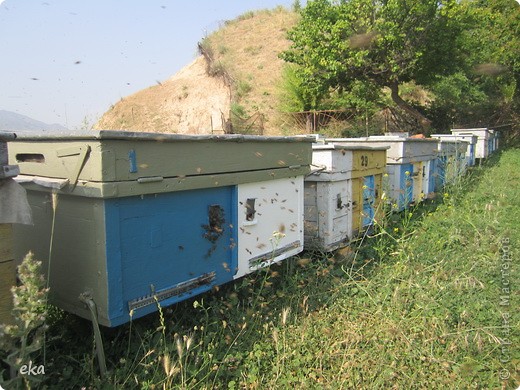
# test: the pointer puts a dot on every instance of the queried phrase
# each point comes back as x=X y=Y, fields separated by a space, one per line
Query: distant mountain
x=11 y=121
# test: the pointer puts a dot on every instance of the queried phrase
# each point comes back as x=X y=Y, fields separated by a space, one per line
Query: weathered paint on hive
x=161 y=185
x=141 y=238
x=400 y=150
x=370 y=166
x=369 y=162
x=482 y=149
x=78 y=262
x=400 y=185
x=123 y=249
x=366 y=196
x=270 y=222
x=328 y=214
x=452 y=161
x=158 y=242
x=127 y=159
x=471 y=139
x=335 y=208
x=432 y=166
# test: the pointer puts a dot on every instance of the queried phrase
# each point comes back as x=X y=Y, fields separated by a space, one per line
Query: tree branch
x=404 y=105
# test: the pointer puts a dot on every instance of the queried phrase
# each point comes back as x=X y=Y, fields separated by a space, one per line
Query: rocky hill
x=232 y=86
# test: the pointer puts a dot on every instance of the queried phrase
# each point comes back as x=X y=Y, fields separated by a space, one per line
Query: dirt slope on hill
x=193 y=102
x=190 y=102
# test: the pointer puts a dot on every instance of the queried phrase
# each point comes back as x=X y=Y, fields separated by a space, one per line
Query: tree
x=493 y=47
x=384 y=43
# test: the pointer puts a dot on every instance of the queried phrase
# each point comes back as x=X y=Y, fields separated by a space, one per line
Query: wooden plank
x=7 y=273
x=6 y=242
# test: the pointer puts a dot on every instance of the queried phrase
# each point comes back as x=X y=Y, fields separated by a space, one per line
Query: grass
x=421 y=304
x=252 y=42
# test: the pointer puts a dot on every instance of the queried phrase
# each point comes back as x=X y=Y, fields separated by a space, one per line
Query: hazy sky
x=67 y=61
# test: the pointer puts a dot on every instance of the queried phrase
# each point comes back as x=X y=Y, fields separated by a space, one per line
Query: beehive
x=342 y=193
x=484 y=144
x=496 y=140
x=145 y=219
x=451 y=162
x=493 y=141
x=7 y=273
x=471 y=139
x=13 y=203
x=410 y=162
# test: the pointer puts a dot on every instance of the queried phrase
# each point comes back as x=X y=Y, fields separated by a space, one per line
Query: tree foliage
x=380 y=42
x=464 y=53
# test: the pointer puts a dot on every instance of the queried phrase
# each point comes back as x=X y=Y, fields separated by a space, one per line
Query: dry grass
x=248 y=48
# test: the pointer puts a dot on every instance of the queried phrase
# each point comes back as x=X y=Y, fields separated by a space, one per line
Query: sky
x=66 y=61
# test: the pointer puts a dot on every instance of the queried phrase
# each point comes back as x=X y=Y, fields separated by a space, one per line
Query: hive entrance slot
x=339 y=202
x=250 y=209
x=216 y=218
x=215 y=227
x=30 y=157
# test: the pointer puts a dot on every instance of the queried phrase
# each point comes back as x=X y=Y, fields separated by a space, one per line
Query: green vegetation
x=249 y=63
x=464 y=56
x=21 y=341
x=427 y=301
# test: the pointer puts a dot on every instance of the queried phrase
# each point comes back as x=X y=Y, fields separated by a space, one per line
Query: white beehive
x=484 y=140
x=471 y=139
x=342 y=193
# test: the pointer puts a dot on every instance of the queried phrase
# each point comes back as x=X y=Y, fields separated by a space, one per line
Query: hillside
x=181 y=104
x=239 y=73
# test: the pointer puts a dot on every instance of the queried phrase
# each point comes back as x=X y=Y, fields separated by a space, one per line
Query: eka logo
x=30 y=369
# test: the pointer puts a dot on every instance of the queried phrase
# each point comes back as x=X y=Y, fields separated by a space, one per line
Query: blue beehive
x=469 y=138
x=452 y=162
x=145 y=219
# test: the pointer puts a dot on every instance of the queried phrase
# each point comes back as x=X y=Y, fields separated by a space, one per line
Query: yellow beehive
x=369 y=167
x=7 y=273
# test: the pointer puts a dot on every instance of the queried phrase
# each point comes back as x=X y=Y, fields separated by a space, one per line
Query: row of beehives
x=353 y=178
x=138 y=219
